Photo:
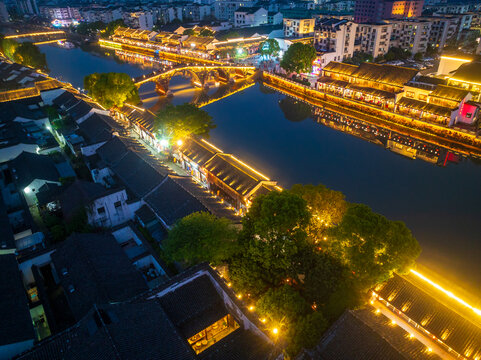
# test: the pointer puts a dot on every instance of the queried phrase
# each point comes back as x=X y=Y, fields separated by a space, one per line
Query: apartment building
x=143 y=20
x=101 y=14
x=335 y=36
x=298 y=28
x=374 y=38
x=4 y=17
x=60 y=13
x=412 y=35
x=225 y=9
x=252 y=16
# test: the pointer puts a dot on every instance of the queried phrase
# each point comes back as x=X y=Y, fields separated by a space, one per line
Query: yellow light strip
x=448 y=293
x=465 y=81
x=34 y=34
x=250 y=168
x=208 y=143
x=48 y=41
x=454 y=58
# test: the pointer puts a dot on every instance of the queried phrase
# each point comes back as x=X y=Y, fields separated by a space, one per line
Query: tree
x=9 y=47
x=397 y=53
x=359 y=57
x=282 y=306
x=206 y=32
x=181 y=121
x=201 y=237
x=110 y=28
x=270 y=47
x=298 y=58
x=306 y=333
x=188 y=32
x=29 y=54
x=272 y=235
x=372 y=246
x=111 y=89
x=327 y=206
x=418 y=56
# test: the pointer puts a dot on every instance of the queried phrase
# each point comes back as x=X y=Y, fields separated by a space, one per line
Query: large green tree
x=110 y=28
x=298 y=58
x=282 y=306
x=201 y=237
x=305 y=334
x=111 y=89
x=269 y=47
x=327 y=207
x=29 y=54
x=181 y=121
x=372 y=246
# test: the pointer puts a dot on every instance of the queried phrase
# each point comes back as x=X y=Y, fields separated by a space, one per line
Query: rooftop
x=16 y=324
x=93 y=269
x=27 y=167
x=449 y=93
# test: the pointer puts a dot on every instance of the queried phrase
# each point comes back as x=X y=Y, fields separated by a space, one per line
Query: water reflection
x=294 y=110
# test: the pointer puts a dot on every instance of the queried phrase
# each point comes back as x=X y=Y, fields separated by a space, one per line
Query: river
x=441 y=205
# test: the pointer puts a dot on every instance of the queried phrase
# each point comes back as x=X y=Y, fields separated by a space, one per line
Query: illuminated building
x=374 y=38
x=410 y=34
x=298 y=27
x=373 y=11
x=250 y=16
x=335 y=38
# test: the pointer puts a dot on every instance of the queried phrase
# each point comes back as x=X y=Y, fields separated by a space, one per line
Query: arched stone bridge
x=199 y=75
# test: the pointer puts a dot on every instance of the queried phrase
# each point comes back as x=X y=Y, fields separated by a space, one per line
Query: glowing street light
x=275 y=331
x=179 y=142
x=164 y=142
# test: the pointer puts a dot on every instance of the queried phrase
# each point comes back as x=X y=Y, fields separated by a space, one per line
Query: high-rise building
x=3 y=13
x=27 y=7
x=373 y=11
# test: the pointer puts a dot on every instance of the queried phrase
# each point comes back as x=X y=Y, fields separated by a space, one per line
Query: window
x=117 y=204
x=101 y=210
x=410 y=94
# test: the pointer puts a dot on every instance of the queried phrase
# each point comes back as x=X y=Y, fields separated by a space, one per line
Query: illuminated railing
x=34 y=34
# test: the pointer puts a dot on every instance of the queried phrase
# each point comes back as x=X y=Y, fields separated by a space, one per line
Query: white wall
x=112 y=216
x=26 y=266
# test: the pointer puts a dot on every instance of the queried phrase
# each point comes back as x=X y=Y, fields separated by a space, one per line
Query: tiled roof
x=198 y=151
x=340 y=68
x=470 y=72
x=362 y=335
x=449 y=93
x=233 y=173
x=171 y=202
x=98 y=128
x=386 y=74
x=29 y=166
x=93 y=269
x=79 y=110
x=66 y=100
x=126 y=331
x=424 y=106
x=15 y=323
x=437 y=315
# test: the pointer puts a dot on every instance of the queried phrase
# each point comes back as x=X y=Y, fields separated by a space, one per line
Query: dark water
x=441 y=205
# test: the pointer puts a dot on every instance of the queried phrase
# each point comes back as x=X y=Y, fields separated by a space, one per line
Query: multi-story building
x=374 y=39
x=27 y=7
x=139 y=20
x=225 y=9
x=274 y=18
x=410 y=34
x=373 y=11
x=252 y=16
x=340 y=6
x=194 y=12
x=60 y=13
x=101 y=14
x=335 y=36
x=3 y=13
x=298 y=27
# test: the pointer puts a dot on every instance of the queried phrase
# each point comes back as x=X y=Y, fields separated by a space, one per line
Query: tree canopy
x=269 y=47
x=372 y=246
x=181 y=121
x=29 y=54
x=359 y=57
x=111 y=89
x=298 y=58
x=201 y=237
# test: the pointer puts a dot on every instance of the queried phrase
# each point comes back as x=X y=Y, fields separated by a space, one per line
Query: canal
x=441 y=205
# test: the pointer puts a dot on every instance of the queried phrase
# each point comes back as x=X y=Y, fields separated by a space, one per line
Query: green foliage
x=29 y=54
x=270 y=47
x=298 y=58
x=92 y=28
x=360 y=57
x=111 y=89
x=431 y=50
x=201 y=237
x=110 y=28
x=181 y=121
x=418 y=56
x=206 y=32
x=188 y=32
x=282 y=306
x=327 y=206
x=396 y=53
x=8 y=47
x=372 y=246
x=232 y=34
x=306 y=333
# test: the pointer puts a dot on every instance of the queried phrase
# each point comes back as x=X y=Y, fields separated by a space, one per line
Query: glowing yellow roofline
x=454 y=58
x=250 y=168
x=448 y=293
x=34 y=34
x=208 y=143
x=464 y=81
